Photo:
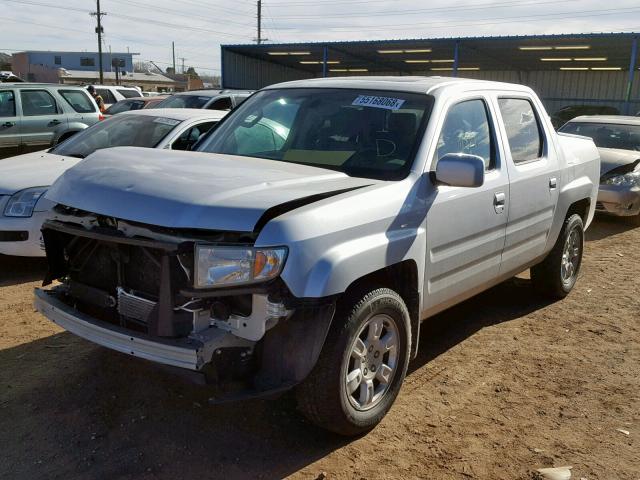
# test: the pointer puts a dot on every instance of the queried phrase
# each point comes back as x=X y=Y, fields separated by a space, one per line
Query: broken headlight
x=22 y=204
x=231 y=266
x=626 y=180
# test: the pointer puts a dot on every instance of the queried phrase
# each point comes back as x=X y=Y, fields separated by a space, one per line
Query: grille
x=134 y=307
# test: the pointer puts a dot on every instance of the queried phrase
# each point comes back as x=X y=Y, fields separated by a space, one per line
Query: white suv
x=114 y=93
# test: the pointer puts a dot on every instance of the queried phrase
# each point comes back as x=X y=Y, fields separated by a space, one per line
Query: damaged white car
x=322 y=221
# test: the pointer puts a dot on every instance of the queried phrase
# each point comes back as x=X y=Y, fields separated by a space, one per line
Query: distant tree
x=171 y=70
x=191 y=71
x=142 y=67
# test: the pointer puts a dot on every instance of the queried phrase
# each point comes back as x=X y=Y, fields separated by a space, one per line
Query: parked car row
x=301 y=242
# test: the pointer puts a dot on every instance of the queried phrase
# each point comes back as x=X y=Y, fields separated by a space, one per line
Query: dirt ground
x=504 y=384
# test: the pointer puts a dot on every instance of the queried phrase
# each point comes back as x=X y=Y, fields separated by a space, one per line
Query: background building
x=582 y=69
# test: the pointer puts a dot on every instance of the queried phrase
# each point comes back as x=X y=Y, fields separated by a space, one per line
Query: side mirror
x=460 y=170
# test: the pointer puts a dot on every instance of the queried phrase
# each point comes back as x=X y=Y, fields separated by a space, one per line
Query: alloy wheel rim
x=372 y=362
x=570 y=256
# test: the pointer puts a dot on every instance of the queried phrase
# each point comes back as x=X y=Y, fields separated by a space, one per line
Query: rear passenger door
x=9 y=123
x=41 y=117
x=534 y=177
x=466 y=226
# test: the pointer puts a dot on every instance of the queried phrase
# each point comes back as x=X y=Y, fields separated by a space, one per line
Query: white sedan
x=24 y=179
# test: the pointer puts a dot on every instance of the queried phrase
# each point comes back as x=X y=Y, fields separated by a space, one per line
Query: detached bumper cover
x=617 y=200
x=183 y=353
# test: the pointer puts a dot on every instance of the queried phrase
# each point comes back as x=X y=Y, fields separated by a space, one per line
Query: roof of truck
x=399 y=83
x=613 y=119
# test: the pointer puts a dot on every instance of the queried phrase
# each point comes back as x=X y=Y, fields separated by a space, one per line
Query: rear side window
x=37 y=102
x=467 y=130
x=129 y=93
x=78 y=100
x=7 y=104
x=223 y=103
x=107 y=96
x=523 y=129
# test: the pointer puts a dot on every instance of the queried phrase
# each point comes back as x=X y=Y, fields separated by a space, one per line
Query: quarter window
x=467 y=130
x=523 y=129
x=7 y=104
x=78 y=100
x=37 y=102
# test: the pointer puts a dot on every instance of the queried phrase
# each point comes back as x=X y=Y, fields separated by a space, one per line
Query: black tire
x=547 y=277
x=323 y=396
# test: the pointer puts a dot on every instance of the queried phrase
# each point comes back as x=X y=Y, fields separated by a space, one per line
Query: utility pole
x=173 y=51
x=99 y=30
x=259 y=39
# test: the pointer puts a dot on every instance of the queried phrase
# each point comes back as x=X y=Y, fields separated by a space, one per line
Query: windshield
x=184 y=101
x=607 y=135
x=118 y=131
x=362 y=133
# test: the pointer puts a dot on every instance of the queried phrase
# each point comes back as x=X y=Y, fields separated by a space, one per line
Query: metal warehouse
x=577 y=69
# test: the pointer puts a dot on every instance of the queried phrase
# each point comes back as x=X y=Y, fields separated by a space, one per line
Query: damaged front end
x=137 y=289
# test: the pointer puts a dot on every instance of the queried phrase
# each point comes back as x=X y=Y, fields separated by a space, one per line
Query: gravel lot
x=504 y=384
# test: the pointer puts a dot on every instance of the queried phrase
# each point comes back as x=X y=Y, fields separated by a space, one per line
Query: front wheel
x=362 y=365
x=556 y=276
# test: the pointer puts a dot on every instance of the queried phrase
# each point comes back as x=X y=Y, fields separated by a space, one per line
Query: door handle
x=499 y=200
x=8 y=124
x=553 y=183
x=55 y=122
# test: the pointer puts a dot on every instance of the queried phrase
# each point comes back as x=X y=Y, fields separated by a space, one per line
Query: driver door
x=466 y=227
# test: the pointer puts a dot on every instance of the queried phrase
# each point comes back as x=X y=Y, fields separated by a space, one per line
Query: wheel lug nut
x=373 y=368
x=377 y=354
x=370 y=348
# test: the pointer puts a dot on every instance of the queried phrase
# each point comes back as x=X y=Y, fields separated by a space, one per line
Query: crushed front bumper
x=618 y=200
x=189 y=352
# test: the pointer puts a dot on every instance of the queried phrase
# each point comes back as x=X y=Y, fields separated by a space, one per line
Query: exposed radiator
x=134 y=307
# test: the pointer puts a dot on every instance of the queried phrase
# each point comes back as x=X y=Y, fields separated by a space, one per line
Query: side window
x=466 y=129
x=78 y=100
x=37 y=102
x=129 y=93
x=523 y=129
x=107 y=96
x=223 y=103
x=189 y=137
x=7 y=104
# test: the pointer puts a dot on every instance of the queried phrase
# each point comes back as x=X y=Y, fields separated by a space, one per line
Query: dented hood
x=611 y=158
x=190 y=189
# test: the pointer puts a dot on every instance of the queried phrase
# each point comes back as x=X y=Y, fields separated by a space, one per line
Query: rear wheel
x=362 y=365
x=558 y=272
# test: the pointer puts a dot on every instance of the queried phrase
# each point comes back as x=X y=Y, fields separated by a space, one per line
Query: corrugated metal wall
x=556 y=88
x=240 y=71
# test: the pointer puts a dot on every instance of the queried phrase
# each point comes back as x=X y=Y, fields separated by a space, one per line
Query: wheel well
x=581 y=207
x=402 y=278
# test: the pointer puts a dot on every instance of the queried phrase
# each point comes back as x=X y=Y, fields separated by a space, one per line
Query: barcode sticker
x=388 y=103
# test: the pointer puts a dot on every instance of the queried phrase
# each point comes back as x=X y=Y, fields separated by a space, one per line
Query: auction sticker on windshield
x=387 y=103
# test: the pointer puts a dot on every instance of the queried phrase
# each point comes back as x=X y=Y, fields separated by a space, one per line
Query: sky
x=199 y=27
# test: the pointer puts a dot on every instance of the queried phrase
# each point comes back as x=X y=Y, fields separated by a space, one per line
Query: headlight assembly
x=626 y=180
x=232 y=266
x=21 y=204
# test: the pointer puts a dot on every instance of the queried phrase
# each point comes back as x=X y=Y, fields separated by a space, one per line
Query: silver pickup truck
x=314 y=230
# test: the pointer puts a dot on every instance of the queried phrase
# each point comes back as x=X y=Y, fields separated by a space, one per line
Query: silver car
x=312 y=231
x=209 y=99
x=34 y=116
x=618 y=139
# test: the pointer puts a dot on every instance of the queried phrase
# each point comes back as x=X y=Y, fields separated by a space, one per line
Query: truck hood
x=38 y=169
x=611 y=158
x=192 y=190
